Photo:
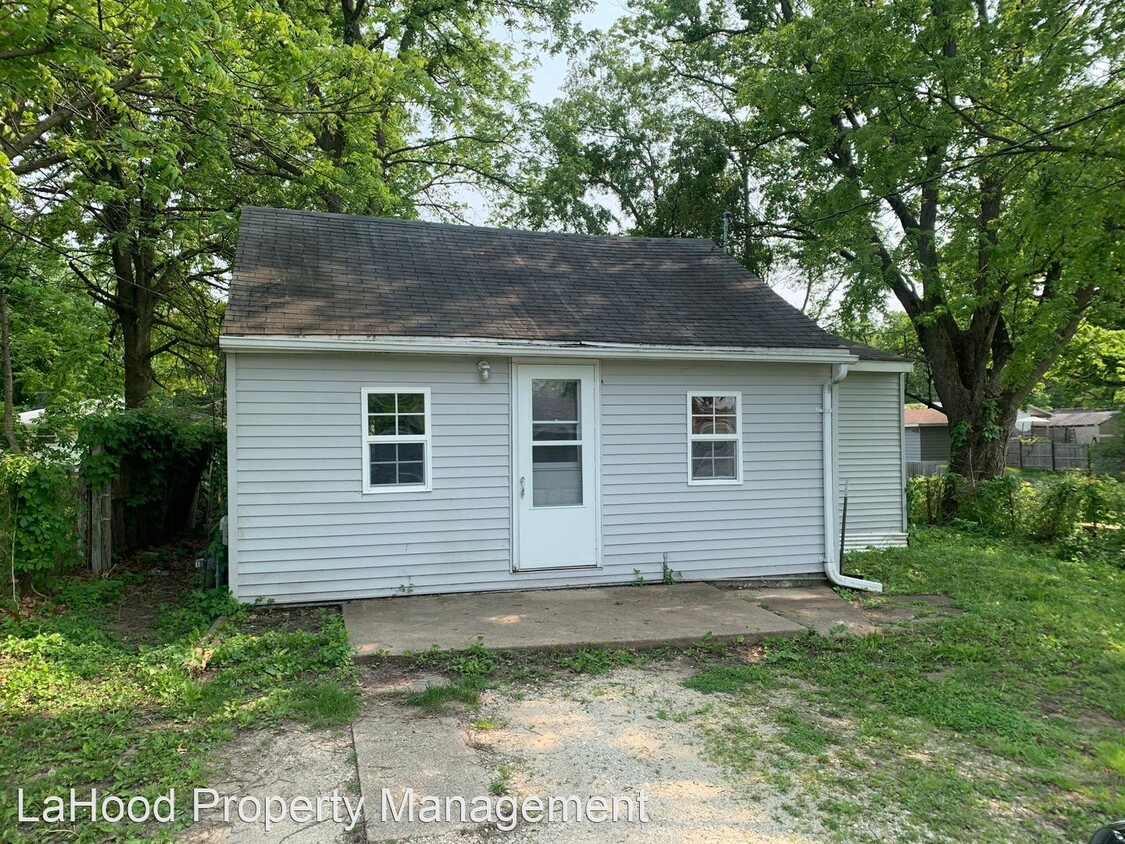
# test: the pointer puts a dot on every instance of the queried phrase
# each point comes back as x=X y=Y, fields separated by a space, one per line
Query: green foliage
x=596 y=660
x=726 y=678
x=158 y=443
x=79 y=708
x=961 y=158
x=38 y=522
x=1081 y=512
x=436 y=697
x=134 y=133
x=1026 y=678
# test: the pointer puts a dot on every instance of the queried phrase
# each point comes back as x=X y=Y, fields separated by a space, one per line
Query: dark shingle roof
x=305 y=273
x=869 y=353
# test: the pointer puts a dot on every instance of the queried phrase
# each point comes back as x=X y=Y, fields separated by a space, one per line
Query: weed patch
x=81 y=708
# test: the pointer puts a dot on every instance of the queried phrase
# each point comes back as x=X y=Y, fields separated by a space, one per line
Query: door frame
x=513 y=457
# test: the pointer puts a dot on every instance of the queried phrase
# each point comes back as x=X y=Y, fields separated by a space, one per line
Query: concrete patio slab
x=817 y=607
x=619 y=616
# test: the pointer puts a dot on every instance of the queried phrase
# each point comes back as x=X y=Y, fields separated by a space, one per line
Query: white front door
x=555 y=417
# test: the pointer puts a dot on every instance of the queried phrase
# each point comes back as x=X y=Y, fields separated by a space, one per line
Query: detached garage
x=426 y=408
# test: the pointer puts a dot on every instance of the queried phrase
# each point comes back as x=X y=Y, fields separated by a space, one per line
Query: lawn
x=90 y=698
x=1003 y=722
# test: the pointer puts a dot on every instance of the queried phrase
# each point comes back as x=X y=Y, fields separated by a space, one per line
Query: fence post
x=1052 y=442
x=101 y=524
x=1019 y=443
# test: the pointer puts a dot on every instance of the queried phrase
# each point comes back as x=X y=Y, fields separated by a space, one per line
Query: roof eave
x=527 y=348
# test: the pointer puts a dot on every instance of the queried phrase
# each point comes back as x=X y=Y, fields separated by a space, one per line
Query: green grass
x=80 y=708
x=1019 y=701
x=436 y=697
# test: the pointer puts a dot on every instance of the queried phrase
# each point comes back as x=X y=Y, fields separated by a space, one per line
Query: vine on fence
x=40 y=491
x=38 y=521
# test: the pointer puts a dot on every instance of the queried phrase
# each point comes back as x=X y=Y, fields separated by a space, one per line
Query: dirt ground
x=635 y=729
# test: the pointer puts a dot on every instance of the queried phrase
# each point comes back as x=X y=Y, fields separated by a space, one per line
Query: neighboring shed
x=927 y=435
x=418 y=407
x=1077 y=425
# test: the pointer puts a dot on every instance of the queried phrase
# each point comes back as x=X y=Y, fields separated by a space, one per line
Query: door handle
x=523 y=487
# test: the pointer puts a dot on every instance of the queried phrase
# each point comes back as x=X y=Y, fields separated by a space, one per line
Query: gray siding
x=304 y=531
x=870 y=458
x=913 y=445
x=935 y=443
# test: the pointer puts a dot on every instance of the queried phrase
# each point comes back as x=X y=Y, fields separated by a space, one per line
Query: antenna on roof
x=726 y=231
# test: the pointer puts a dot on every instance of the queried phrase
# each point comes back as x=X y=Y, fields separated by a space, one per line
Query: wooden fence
x=1048 y=455
x=110 y=523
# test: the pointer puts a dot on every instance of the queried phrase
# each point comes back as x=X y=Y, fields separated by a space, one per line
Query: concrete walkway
x=619 y=616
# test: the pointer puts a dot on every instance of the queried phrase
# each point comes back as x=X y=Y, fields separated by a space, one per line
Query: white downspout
x=831 y=564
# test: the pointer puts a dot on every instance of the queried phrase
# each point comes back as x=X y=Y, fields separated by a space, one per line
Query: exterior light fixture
x=485 y=368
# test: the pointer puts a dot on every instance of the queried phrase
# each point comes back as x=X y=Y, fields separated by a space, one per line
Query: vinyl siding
x=870 y=458
x=304 y=531
x=935 y=443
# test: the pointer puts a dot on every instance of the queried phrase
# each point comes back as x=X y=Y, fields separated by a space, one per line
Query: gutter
x=528 y=348
x=831 y=563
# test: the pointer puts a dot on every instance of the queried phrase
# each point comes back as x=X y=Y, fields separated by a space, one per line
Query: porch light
x=485 y=368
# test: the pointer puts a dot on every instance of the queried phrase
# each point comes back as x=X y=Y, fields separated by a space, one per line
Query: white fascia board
x=882 y=366
x=528 y=348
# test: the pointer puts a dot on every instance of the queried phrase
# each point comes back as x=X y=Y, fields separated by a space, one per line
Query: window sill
x=399 y=488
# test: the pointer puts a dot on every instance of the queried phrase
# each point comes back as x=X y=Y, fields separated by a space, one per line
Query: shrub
x=1073 y=500
x=38 y=521
x=1085 y=514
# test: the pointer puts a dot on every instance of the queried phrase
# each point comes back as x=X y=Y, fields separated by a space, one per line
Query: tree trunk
x=978 y=446
x=139 y=376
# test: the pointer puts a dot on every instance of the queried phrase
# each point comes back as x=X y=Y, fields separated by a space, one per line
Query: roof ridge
x=437 y=224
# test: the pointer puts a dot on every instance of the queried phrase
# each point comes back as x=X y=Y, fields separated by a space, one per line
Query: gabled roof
x=1071 y=416
x=923 y=416
x=303 y=273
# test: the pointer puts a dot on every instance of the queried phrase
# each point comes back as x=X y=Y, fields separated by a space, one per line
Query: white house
x=427 y=408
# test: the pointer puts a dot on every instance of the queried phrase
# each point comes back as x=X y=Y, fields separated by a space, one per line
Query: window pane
x=554 y=399
x=556 y=475
x=702 y=404
x=381 y=403
x=702 y=468
x=722 y=449
x=380 y=426
x=411 y=403
x=410 y=451
x=412 y=424
x=699 y=450
x=554 y=431
x=724 y=404
x=411 y=473
x=383 y=452
x=383 y=474
x=724 y=468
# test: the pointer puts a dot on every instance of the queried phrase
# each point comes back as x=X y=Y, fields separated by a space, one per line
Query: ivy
x=39 y=518
x=155 y=446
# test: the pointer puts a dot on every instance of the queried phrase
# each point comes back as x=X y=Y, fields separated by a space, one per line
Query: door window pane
x=554 y=400
x=556 y=475
x=554 y=430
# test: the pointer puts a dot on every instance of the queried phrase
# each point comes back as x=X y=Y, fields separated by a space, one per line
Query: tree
x=134 y=134
x=965 y=157
x=623 y=150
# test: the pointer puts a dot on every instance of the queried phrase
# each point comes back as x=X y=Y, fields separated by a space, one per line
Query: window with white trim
x=396 y=440
x=714 y=438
